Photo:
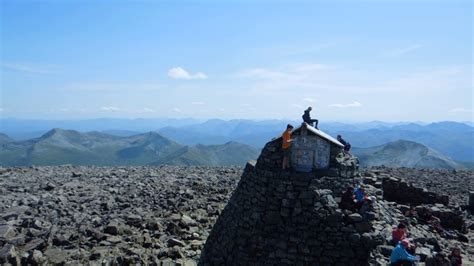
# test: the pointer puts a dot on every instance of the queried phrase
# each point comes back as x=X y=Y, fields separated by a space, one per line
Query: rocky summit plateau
x=118 y=215
x=163 y=215
x=69 y=215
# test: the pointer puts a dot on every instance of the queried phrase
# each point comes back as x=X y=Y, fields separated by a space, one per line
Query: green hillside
x=60 y=146
x=403 y=153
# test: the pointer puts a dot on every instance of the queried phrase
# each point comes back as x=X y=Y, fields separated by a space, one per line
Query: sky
x=349 y=60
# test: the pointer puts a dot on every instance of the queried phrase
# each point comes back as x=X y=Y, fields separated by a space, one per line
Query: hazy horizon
x=230 y=119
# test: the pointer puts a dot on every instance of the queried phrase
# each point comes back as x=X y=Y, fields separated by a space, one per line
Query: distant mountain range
x=23 y=129
x=60 y=146
x=404 y=153
x=452 y=139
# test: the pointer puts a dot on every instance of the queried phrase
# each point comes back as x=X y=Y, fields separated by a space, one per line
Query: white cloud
x=31 y=68
x=262 y=73
x=147 y=110
x=402 y=51
x=289 y=72
x=176 y=110
x=111 y=86
x=110 y=108
x=339 y=105
x=314 y=48
x=310 y=100
x=198 y=103
x=297 y=106
x=461 y=110
x=180 y=73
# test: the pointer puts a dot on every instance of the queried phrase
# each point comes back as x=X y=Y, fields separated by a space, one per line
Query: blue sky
x=350 y=60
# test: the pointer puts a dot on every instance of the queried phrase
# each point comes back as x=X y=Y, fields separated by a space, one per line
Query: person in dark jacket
x=347 y=200
x=307 y=118
x=347 y=145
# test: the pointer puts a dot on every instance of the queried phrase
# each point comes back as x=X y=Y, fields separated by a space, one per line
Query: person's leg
x=285 y=158
x=315 y=123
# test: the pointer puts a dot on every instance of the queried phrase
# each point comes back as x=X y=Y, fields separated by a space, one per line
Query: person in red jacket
x=399 y=233
x=455 y=257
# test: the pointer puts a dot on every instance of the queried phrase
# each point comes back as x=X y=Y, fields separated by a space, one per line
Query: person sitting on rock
x=438 y=259
x=347 y=145
x=455 y=257
x=412 y=215
x=367 y=208
x=400 y=255
x=347 y=200
x=286 y=145
x=399 y=233
x=307 y=118
x=359 y=195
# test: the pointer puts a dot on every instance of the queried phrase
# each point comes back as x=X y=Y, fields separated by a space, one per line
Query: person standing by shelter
x=307 y=118
x=286 y=145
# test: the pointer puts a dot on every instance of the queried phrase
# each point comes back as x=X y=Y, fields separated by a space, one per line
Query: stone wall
x=397 y=190
x=281 y=218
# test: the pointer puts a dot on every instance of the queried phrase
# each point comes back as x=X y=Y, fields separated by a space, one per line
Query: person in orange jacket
x=286 y=147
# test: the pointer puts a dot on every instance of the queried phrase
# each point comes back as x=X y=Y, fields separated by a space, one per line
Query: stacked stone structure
x=400 y=191
x=282 y=218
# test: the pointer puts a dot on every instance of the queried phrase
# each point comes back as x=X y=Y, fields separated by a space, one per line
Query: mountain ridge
x=60 y=146
x=404 y=153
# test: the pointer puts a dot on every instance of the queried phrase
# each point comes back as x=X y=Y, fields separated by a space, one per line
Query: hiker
x=359 y=195
x=367 y=208
x=286 y=144
x=307 y=118
x=438 y=259
x=412 y=215
x=347 y=145
x=399 y=233
x=455 y=257
x=347 y=200
x=400 y=255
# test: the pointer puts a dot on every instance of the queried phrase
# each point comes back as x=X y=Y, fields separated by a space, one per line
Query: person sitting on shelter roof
x=307 y=118
x=347 y=145
x=286 y=144
x=400 y=255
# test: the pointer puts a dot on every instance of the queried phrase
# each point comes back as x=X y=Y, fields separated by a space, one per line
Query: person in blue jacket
x=359 y=194
x=400 y=255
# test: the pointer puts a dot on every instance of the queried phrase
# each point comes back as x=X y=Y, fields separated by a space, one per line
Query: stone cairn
x=281 y=218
